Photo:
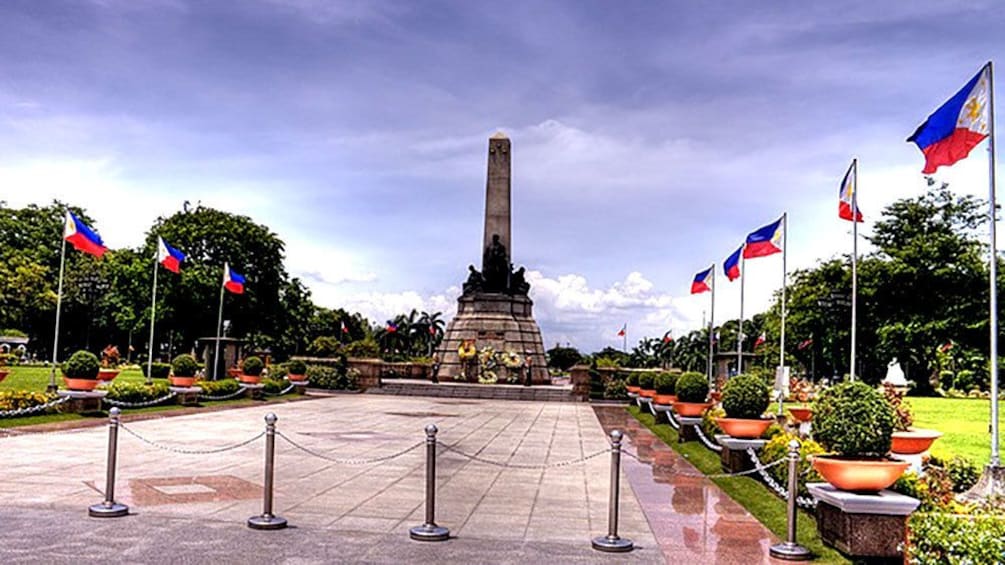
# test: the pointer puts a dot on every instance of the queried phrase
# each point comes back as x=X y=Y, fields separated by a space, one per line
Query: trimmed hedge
x=646 y=381
x=953 y=538
x=330 y=378
x=157 y=370
x=665 y=383
x=82 y=365
x=633 y=379
x=252 y=366
x=219 y=388
x=853 y=419
x=616 y=390
x=692 y=387
x=745 y=396
x=125 y=391
x=184 y=365
x=296 y=367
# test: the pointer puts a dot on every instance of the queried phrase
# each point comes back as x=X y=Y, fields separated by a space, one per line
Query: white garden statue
x=894 y=374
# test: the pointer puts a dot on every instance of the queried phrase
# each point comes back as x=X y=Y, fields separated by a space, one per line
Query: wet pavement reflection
x=693 y=520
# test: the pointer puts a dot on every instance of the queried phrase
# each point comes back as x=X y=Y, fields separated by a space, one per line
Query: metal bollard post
x=109 y=508
x=611 y=542
x=789 y=550
x=429 y=531
x=268 y=521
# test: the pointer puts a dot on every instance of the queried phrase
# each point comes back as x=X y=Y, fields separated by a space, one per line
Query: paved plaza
x=504 y=493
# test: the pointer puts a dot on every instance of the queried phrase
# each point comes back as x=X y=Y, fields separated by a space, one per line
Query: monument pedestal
x=733 y=457
x=862 y=525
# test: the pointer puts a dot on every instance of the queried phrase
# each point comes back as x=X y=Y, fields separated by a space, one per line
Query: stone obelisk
x=494 y=309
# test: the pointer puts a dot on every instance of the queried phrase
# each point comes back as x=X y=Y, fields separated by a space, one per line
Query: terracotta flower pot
x=106 y=375
x=234 y=373
x=742 y=428
x=181 y=381
x=665 y=399
x=859 y=475
x=691 y=409
x=81 y=384
x=3 y=375
x=913 y=441
x=296 y=378
x=801 y=414
x=249 y=379
x=647 y=392
x=634 y=389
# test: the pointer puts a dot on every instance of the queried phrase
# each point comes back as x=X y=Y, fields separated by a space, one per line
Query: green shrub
x=184 y=365
x=324 y=346
x=607 y=363
x=616 y=390
x=219 y=388
x=963 y=472
x=9 y=359
x=125 y=391
x=331 y=378
x=965 y=380
x=952 y=538
x=709 y=425
x=665 y=383
x=647 y=381
x=745 y=396
x=19 y=399
x=252 y=366
x=158 y=370
x=82 y=365
x=633 y=379
x=853 y=419
x=273 y=386
x=778 y=448
x=296 y=367
x=363 y=349
x=692 y=387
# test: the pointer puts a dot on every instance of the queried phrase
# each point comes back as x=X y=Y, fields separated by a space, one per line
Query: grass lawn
x=963 y=421
x=37 y=378
x=761 y=502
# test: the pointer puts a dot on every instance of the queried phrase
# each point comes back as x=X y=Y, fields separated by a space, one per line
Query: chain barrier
x=282 y=392
x=239 y=392
x=773 y=484
x=714 y=475
x=538 y=466
x=370 y=461
x=124 y=404
x=184 y=451
x=708 y=443
x=33 y=409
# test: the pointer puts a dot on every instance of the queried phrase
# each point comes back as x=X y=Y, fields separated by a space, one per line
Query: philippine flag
x=848 y=198
x=764 y=241
x=760 y=340
x=732 y=265
x=623 y=330
x=232 y=281
x=667 y=338
x=81 y=237
x=957 y=126
x=345 y=329
x=702 y=282
x=168 y=256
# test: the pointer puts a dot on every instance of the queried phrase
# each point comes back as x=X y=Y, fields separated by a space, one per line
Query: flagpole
x=219 y=326
x=59 y=306
x=624 y=338
x=854 y=265
x=153 y=310
x=782 y=385
x=739 y=331
x=993 y=270
x=711 y=327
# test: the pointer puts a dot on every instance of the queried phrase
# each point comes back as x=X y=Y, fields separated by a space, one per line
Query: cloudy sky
x=647 y=139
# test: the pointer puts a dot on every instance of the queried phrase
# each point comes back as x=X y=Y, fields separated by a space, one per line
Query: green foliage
x=745 y=396
x=778 y=448
x=18 y=399
x=937 y=538
x=332 y=378
x=709 y=425
x=563 y=358
x=665 y=382
x=324 y=346
x=252 y=366
x=965 y=380
x=615 y=390
x=962 y=472
x=158 y=370
x=82 y=365
x=273 y=386
x=219 y=388
x=296 y=367
x=125 y=391
x=853 y=419
x=692 y=387
x=11 y=332
x=647 y=381
x=610 y=357
x=607 y=363
x=633 y=379
x=184 y=365
x=902 y=417
x=363 y=349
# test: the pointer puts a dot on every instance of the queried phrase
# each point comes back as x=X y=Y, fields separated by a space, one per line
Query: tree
x=563 y=358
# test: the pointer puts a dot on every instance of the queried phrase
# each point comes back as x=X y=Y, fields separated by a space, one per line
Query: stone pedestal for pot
x=644 y=403
x=661 y=412
x=733 y=457
x=186 y=395
x=862 y=525
x=255 y=392
x=300 y=387
x=82 y=401
x=687 y=431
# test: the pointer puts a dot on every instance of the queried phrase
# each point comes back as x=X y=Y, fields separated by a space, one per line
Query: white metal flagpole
x=993 y=270
x=711 y=328
x=854 y=264
x=153 y=311
x=59 y=307
x=739 y=330
x=782 y=376
x=219 y=325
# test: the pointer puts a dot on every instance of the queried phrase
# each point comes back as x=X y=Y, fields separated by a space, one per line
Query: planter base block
x=862 y=525
x=661 y=412
x=733 y=457
x=687 y=424
x=186 y=395
x=300 y=387
x=82 y=401
x=255 y=392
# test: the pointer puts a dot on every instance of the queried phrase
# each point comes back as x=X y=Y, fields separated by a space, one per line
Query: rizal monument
x=494 y=309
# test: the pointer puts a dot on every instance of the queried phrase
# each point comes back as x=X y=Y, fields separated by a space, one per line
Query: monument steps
x=535 y=393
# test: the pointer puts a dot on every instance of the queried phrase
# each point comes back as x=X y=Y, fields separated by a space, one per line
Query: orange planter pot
x=106 y=375
x=634 y=389
x=234 y=373
x=296 y=378
x=859 y=475
x=249 y=379
x=801 y=414
x=181 y=381
x=742 y=428
x=3 y=375
x=666 y=399
x=81 y=384
x=647 y=393
x=691 y=409
x=913 y=442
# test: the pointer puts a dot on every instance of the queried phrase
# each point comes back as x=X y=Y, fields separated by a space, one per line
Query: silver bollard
x=268 y=521
x=611 y=542
x=789 y=550
x=429 y=531
x=109 y=508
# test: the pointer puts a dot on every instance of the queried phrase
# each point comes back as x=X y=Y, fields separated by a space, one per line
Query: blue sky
x=648 y=138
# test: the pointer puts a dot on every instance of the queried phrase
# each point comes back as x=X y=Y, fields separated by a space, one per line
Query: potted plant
x=633 y=383
x=905 y=439
x=109 y=361
x=80 y=371
x=666 y=385
x=183 y=370
x=801 y=390
x=296 y=371
x=647 y=385
x=251 y=370
x=691 y=390
x=744 y=399
x=854 y=423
